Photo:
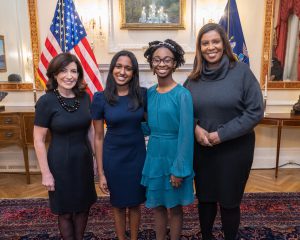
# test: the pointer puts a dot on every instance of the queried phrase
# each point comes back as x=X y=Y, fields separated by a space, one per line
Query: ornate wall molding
x=267 y=52
x=35 y=41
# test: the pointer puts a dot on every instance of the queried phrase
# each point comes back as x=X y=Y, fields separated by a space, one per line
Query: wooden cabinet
x=28 y=121
x=16 y=127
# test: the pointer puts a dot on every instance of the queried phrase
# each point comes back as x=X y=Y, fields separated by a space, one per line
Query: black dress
x=69 y=154
x=124 y=149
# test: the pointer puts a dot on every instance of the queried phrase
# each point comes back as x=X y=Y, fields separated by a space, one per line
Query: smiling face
x=212 y=48
x=123 y=71
x=67 y=78
x=163 y=62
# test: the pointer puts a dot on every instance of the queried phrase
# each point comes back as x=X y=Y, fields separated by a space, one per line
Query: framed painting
x=152 y=14
x=2 y=55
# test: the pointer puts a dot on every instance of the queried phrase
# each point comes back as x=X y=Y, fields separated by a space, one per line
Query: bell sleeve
x=183 y=163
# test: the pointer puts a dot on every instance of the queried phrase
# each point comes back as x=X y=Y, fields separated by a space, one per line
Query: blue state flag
x=230 y=21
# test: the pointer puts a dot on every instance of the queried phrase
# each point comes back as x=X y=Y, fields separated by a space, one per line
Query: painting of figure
x=152 y=14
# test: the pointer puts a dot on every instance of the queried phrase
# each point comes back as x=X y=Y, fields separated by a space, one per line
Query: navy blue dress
x=124 y=149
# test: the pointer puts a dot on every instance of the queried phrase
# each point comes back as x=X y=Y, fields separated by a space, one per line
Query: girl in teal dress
x=168 y=170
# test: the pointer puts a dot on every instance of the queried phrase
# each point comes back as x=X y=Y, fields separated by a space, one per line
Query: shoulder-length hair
x=198 y=61
x=57 y=65
x=134 y=91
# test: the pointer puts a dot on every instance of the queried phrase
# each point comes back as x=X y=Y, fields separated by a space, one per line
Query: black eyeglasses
x=167 y=61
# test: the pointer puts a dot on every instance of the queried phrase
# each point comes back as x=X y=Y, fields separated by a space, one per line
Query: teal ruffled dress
x=170 y=148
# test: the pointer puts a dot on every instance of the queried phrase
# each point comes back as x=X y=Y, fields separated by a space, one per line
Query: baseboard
x=11 y=159
x=266 y=158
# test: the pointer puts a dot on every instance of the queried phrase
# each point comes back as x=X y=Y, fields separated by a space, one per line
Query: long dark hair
x=57 y=65
x=134 y=91
x=197 y=68
x=173 y=46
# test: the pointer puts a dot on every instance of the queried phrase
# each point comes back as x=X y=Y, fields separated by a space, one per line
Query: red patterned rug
x=264 y=216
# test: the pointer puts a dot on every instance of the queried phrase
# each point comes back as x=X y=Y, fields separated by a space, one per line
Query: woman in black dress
x=228 y=104
x=121 y=154
x=67 y=168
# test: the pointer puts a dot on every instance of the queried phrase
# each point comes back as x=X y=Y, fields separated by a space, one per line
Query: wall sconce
x=93 y=28
x=212 y=14
x=91 y=20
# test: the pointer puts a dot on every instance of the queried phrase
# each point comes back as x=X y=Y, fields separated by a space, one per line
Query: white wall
x=14 y=25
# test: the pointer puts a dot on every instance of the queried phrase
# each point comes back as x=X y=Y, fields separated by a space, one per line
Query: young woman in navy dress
x=67 y=168
x=121 y=153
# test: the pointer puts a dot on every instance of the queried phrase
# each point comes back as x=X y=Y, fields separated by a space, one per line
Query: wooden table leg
x=26 y=162
x=278 y=146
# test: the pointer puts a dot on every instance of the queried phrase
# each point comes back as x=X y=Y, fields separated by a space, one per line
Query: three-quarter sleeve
x=183 y=163
x=42 y=112
x=97 y=106
x=252 y=113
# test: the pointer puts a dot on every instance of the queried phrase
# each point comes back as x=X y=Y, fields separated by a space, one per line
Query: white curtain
x=291 y=56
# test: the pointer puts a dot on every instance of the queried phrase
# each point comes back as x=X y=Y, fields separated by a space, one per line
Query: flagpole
x=228 y=15
x=64 y=27
x=60 y=39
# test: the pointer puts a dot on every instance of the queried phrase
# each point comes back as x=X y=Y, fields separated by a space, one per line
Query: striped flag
x=232 y=25
x=67 y=34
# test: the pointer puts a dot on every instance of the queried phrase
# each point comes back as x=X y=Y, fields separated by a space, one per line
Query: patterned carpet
x=264 y=216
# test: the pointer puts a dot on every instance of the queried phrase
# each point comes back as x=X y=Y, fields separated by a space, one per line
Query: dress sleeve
x=144 y=124
x=253 y=111
x=97 y=106
x=183 y=163
x=186 y=84
x=43 y=113
x=145 y=98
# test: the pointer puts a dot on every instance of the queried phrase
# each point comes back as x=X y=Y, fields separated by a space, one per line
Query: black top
x=227 y=99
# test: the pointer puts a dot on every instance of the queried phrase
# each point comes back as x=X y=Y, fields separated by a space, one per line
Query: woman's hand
x=48 y=181
x=175 y=181
x=103 y=184
x=214 y=138
x=202 y=136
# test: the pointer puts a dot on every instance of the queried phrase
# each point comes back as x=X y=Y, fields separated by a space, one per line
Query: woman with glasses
x=168 y=170
x=121 y=154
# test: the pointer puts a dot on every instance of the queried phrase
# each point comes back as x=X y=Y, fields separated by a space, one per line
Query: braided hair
x=173 y=46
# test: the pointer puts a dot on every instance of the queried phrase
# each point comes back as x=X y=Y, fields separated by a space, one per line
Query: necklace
x=67 y=107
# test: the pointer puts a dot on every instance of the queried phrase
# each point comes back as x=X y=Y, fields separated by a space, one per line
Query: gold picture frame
x=2 y=55
x=267 y=52
x=152 y=15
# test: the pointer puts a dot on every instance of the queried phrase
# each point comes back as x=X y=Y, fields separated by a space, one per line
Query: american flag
x=67 y=34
